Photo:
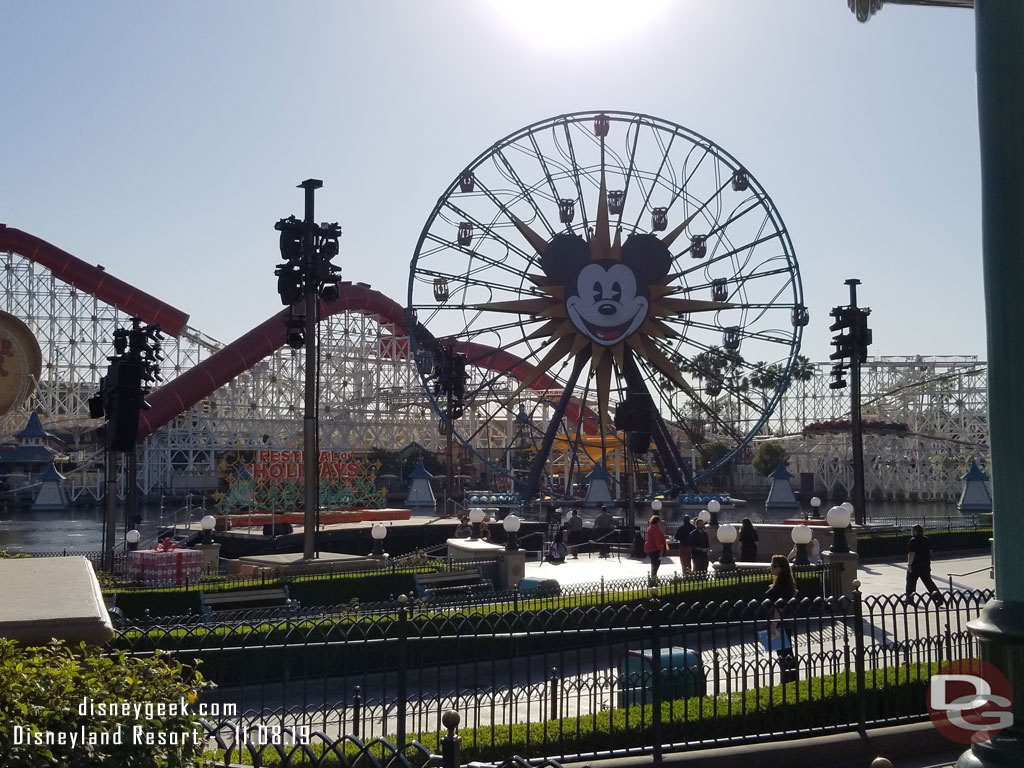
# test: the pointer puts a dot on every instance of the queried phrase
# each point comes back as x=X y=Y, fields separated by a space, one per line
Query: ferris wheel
x=611 y=278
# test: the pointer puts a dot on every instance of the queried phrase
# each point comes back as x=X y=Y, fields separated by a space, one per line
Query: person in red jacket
x=655 y=544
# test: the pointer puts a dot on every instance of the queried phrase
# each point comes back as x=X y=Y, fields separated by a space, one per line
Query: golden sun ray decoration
x=604 y=299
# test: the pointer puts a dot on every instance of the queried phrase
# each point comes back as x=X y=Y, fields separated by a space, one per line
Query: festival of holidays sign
x=290 y=465
x=273 y=480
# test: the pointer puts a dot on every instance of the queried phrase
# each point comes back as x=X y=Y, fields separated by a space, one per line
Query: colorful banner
x=273 y=481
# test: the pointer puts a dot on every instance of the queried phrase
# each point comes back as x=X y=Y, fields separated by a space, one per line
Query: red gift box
x=155 y=568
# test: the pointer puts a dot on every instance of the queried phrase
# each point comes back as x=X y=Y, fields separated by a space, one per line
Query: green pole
x=1000 y=43
x=1000 y=628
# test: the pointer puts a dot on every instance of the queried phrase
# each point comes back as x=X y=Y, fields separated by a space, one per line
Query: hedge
x=898 y=692
x=894 y=544
x=48 y=689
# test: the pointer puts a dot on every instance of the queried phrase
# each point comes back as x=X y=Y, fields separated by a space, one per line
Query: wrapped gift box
x=155 y=568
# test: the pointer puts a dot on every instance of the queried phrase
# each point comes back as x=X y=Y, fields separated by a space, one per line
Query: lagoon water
x=79 y=529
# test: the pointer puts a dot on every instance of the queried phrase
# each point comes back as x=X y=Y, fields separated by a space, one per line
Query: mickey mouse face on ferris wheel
x=607 y=300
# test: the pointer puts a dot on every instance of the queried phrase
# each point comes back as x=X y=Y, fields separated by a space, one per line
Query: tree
x=769 y=455
x=712 y=453
x=803 y=369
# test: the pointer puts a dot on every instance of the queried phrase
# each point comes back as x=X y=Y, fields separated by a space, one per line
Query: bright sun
x=575 y=24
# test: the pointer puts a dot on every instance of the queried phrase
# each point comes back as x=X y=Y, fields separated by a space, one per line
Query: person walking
x=603 y=526
x=783 y=588
x=748 y=542
x=574 y=528
x=919 y=565
x=654 y=544
x=700 y=547
x=683 y=538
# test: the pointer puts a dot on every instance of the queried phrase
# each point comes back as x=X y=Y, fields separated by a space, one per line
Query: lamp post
x=801 y=536
x=705 y=516
x=476 y=516
x=511 y=524
x=838 y=518
x=727 y=536
x=208 y=523
x=816 y=508
x=713 y=507
x=379 y=532
x=131 y=539
x=656 y=506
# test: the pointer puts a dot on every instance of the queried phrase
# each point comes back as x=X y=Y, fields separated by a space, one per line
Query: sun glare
x=575 y=24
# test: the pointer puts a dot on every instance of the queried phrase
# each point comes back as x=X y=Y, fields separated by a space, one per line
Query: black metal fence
x=583 y=682
x=748 y=583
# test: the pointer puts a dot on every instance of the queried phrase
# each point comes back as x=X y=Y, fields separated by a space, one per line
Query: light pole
x=714 y=506
x=838 y=518
x=378 y=532
x=816 y=508
x=306 y=277
x=727 y=536
x=801 y=536
x=476 y=516
x=511 y=524
x=131 y=540
x=208 y=523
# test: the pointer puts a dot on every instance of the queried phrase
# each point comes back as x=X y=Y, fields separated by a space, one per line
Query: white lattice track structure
x=370 y=396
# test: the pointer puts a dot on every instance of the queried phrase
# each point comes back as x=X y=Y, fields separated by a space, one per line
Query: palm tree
x=803 y=369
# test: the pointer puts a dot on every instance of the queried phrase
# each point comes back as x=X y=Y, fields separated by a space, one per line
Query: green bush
x=890 y=544
x=47 y=690
x=808 y=705
x=308 y=590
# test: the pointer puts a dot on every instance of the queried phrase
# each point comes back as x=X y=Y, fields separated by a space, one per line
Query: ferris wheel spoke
x=721 y=228
x=654 y=183
x=488 y=231
x=539 y=156
x=525 y=192
x=723 y=256
x=471 y=278
x=576 y=174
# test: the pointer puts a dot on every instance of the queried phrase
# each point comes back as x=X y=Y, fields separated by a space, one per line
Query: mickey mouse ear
x=564 y=256
x=647 y=255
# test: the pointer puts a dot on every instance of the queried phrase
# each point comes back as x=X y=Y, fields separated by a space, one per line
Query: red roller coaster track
x=181 y=393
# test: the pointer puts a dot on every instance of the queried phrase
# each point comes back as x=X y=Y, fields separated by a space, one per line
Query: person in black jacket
x=748 y=541
x=700 y=547
x=919 y=565
x=683 y=538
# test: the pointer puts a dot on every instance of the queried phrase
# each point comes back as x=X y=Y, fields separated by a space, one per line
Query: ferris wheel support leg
x=541 y=459
x=669 y=457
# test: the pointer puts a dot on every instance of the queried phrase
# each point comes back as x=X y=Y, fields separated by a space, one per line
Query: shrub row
x=894 y=544
x=818 y=703
x=48 y=690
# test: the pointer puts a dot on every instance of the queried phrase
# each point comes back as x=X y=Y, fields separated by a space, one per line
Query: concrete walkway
x=971 y=570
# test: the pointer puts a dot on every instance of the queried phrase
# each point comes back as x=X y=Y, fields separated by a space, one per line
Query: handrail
x=969 y=573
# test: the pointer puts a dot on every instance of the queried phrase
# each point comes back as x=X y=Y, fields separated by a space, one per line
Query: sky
x=164 y=140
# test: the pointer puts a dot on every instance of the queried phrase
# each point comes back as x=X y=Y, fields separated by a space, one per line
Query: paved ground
x=970 y=570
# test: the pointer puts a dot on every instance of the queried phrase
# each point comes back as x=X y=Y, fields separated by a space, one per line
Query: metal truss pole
x=110 y=527
x=856 y=425
x=310 y=449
